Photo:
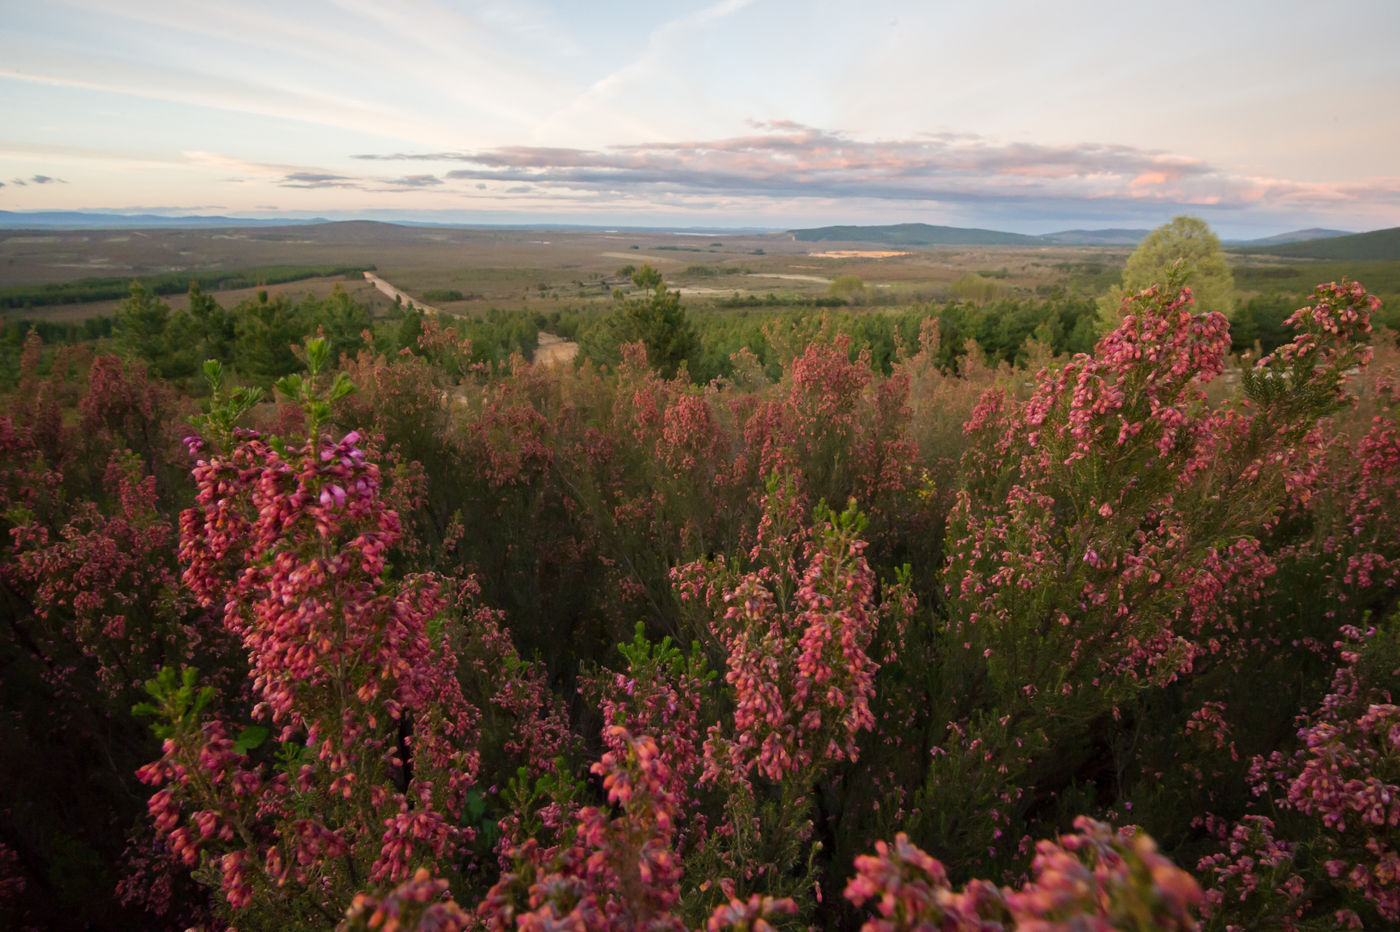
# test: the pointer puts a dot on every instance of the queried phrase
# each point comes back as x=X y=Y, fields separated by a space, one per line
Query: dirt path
x=554 y=349
x=634 y=256
x=858 y=254
x=551 y=349
x=407 y=299
x=794 y=278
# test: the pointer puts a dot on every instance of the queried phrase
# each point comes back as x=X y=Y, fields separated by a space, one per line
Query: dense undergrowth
x=415 y=640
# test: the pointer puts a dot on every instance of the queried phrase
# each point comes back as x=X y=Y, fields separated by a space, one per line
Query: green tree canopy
x=1186 y=240
x=654 y=317
x=138 y=326
x=849 y=288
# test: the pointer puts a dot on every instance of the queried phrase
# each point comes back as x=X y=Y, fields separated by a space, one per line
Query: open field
x=510 y=267
x=548 y=270
x=359 y=289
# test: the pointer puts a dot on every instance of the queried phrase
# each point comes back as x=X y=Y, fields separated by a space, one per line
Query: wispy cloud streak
x=789 y=160
x=36 y=179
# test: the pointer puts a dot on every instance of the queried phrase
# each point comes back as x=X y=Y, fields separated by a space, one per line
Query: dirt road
x=407 y=299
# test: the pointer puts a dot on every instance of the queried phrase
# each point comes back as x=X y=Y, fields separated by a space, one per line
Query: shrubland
x=963 y=620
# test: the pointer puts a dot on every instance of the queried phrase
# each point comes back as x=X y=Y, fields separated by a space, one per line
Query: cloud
x=157 y=209
x=324 y=179
x=307 y=179
x=787 y=160
x=46 y=179
x=415 y=181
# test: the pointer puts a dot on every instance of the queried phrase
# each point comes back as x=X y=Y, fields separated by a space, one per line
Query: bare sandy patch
x=794 y=278
x=552 y=349
x=639 y=255
x=702 y=290
x=858 y=254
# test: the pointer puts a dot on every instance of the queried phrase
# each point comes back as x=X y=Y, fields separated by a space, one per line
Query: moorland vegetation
x=980 y=615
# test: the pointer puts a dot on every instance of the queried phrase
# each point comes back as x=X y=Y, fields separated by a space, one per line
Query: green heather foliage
x=766 y=616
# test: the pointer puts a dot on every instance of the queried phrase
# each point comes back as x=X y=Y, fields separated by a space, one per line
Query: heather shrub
x=350 y=767
x=93 y=606
x=1319 y=851
x=796 y=618
x=1104 y=539
x=448 y=642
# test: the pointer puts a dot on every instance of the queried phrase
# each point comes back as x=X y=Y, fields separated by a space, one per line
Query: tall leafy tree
x=1188 y=242
x=653 y=318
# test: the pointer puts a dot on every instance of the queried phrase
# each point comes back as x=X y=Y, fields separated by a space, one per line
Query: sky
x=1260 y=117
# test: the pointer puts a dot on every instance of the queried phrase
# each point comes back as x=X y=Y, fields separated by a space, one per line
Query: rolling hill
x=924 y=234
x=85 y=220
x=1295 y=236
x=1376 y=246
x=914 y=234
x=1109 y=237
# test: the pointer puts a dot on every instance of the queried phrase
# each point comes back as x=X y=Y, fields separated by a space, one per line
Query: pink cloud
x=1149 y=178
x=785 y=160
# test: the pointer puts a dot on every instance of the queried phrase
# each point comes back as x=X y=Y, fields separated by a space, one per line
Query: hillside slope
x=1378 y=245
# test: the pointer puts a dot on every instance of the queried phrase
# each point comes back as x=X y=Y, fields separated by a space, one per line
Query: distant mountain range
x=1376 y=246
x=1297 y=236
x=1109 y=237
x=923 y=234
x=914 y=234
x=85 y=220
x=1315 y=243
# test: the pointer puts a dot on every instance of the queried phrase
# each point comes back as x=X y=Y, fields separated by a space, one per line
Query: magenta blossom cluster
x=1093 y=879
x=830 y=426
x=1116 y=506
x=1142 y=376
x=420 y=903
x=107 y=582
x=660 y=698
x=1340 y=796
x=1339 y=314
x=797 y=658
x=289 y=546
x=618 y=871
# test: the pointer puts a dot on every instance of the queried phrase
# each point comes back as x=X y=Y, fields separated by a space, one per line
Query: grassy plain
x=539 y=268
x=547 y=270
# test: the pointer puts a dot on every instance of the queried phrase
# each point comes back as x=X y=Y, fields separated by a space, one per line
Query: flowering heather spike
x=750 y=915
x=419 y=904
x=291 y=547
x=831 y=435
x=801 y=677
x=660 y=694
x=1091 y=879
x=107 y=583
x=619 y=873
